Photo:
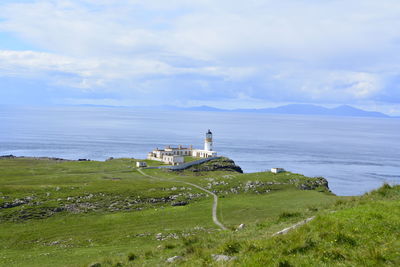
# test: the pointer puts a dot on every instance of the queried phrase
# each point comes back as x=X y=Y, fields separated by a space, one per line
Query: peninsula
x=55 y=212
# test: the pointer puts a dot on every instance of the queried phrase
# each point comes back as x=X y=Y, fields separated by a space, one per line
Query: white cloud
x=363 y=85
x=31 y=61
x=343 y=51
x=85 y=73
x=95 y=72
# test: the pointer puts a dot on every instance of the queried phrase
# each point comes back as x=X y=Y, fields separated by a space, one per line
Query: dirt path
x=215 y=201
x=297 y=225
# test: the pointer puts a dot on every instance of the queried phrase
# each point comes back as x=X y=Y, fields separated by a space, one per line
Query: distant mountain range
x=293 y=109
x=299 y=109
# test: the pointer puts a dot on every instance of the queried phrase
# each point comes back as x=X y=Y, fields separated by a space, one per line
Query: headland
x=56 y=212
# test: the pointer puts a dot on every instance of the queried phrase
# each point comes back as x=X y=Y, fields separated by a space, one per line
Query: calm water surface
x=354 y=154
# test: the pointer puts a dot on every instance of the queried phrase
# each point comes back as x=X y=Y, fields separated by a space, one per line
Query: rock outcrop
x=221 y=258
x=220 y=164
x=174 y=259
x=312 y=184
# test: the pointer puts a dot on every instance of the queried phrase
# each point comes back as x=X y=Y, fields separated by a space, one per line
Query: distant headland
x=290 y=109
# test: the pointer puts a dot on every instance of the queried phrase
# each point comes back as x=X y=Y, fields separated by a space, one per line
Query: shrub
x=148 y=254
x=190 y=241
x=231 y=247
x=284 y=263
x=132 y=257
x=312 y=208
x=345 y=240
x=169 y=246
x=334 y=254
x=308 y=244
x=189 y=250
x=376 y=255
x=340 y=202
x=260 y=225
x=287 y=215
x=384 y=190
x=253 y=247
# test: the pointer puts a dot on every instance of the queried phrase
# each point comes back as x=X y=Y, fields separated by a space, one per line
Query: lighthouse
x=175 y=155
x=208 y=143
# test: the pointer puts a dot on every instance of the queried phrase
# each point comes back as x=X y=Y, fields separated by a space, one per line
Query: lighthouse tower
x=208 y=143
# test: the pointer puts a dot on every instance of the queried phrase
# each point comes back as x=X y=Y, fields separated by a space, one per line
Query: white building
x=175 y=155
x=277 y=170
x=141 y=164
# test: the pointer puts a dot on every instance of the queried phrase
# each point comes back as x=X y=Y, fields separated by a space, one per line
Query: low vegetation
x=190 y=158
x=88 y=213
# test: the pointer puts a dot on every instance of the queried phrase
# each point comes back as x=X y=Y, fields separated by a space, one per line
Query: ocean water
x=355 y=154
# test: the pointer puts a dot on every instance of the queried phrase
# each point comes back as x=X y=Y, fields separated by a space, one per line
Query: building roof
x=177 y=148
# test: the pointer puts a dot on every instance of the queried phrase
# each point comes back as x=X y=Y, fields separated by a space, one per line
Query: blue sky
x=201 y=52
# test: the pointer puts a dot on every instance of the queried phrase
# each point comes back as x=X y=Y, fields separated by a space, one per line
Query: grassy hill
x=70 y=213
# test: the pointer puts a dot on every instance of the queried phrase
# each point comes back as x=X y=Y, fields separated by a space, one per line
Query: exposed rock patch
x=16 y=202
x=314 y=184
x=221 y=258
x=180 y=203
x=297 y=225
x=240 y=227
x=40 y=207
x=174 y=259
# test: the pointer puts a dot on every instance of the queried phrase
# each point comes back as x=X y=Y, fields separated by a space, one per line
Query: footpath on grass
x=297 y=225
x=215 y=197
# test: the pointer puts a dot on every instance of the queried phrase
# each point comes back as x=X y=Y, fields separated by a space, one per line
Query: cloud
x=204 y=51
x=25 y=63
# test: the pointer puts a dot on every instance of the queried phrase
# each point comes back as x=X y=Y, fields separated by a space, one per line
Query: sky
x=226 y=54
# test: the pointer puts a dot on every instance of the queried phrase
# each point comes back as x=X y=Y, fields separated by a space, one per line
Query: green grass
x=112 y=215
x=250 y=208
x=363 y=232
x=190 y=158
x=99 y=186
x=360 y=231
x=112 y=232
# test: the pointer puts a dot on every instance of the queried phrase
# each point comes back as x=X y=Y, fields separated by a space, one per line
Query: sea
x=354 y=154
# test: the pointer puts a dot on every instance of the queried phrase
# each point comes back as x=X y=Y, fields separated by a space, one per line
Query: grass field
x=249 y=209
x=69 y=213
x=190 y=158
x=361 y=232
x=96 y=234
